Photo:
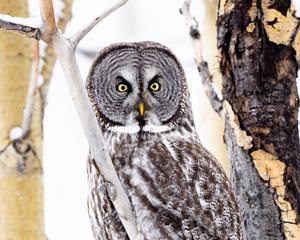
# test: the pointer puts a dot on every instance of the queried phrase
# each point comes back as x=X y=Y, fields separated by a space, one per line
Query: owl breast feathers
x=177 y=189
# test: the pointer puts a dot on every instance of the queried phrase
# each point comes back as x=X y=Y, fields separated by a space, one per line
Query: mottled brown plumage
x=177 y=189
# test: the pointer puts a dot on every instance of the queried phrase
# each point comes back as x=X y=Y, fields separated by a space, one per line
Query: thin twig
x=48 y=17
x=202 y=65
x=29 y=107
x=76 y=38
x=28 y=31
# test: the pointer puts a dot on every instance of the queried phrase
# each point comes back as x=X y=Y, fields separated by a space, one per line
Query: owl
x=177 y=188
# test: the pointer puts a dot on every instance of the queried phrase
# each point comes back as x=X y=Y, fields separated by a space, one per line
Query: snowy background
x=65 y=146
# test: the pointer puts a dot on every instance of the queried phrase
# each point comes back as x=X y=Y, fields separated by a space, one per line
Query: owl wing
x=212 y=211
x=105 y=221
x=196 y=200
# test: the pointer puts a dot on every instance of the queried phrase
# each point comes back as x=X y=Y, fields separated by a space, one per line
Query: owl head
x=137 y=87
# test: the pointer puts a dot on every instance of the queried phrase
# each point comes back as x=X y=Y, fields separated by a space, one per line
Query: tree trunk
x=21 y=185
x=21 y=172
x=259 y=68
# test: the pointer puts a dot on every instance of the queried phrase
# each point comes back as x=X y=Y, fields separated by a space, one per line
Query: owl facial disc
x=137 y=87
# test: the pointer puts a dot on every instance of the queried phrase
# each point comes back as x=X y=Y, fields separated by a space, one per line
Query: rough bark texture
x=253 y=194
x=259 y=67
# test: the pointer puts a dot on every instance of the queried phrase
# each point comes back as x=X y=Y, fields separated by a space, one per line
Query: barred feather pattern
x=177 y=189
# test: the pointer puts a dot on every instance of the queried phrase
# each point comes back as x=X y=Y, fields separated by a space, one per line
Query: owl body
x=176 y=188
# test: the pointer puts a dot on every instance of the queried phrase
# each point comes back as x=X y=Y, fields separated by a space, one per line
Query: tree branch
x=47 y=53
x=65 y=51
x=206 y=77
x=48 y=17
x=76 y=38
x=93 y=132
x=12 y=24
x=29 y=107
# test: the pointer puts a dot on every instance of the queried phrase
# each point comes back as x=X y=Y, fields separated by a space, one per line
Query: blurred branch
x=88 y=53
x=202 y=65
x=29 y=107
x=49 y=27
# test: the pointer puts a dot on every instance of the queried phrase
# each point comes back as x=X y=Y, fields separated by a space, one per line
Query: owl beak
x=141 y=109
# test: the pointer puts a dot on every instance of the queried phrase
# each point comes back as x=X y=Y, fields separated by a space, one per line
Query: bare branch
x=76 y=38
x=28 y=112
x=209 y=87
x=66 y=56
x=48 y=55
x=48 y=17
x=204 y=72
x=27 y=31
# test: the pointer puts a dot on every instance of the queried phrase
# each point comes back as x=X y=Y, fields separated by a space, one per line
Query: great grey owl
x=177 y=188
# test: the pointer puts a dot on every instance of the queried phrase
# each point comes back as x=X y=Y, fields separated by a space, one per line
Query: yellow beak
x=142 y=109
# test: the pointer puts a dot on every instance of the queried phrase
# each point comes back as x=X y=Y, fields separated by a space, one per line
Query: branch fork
x=65 y=51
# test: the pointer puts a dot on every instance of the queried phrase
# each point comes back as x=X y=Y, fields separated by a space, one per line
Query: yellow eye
x=154 y=86
x=122 y=87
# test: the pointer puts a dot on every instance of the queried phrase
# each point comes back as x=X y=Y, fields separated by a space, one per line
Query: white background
x=65 y=146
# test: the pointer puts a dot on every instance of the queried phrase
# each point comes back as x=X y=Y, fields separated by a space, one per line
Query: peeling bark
x=256 y=200
x=259 y=68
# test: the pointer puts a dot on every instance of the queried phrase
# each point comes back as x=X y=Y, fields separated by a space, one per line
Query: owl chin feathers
x=136 y=124
x=137 y=128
